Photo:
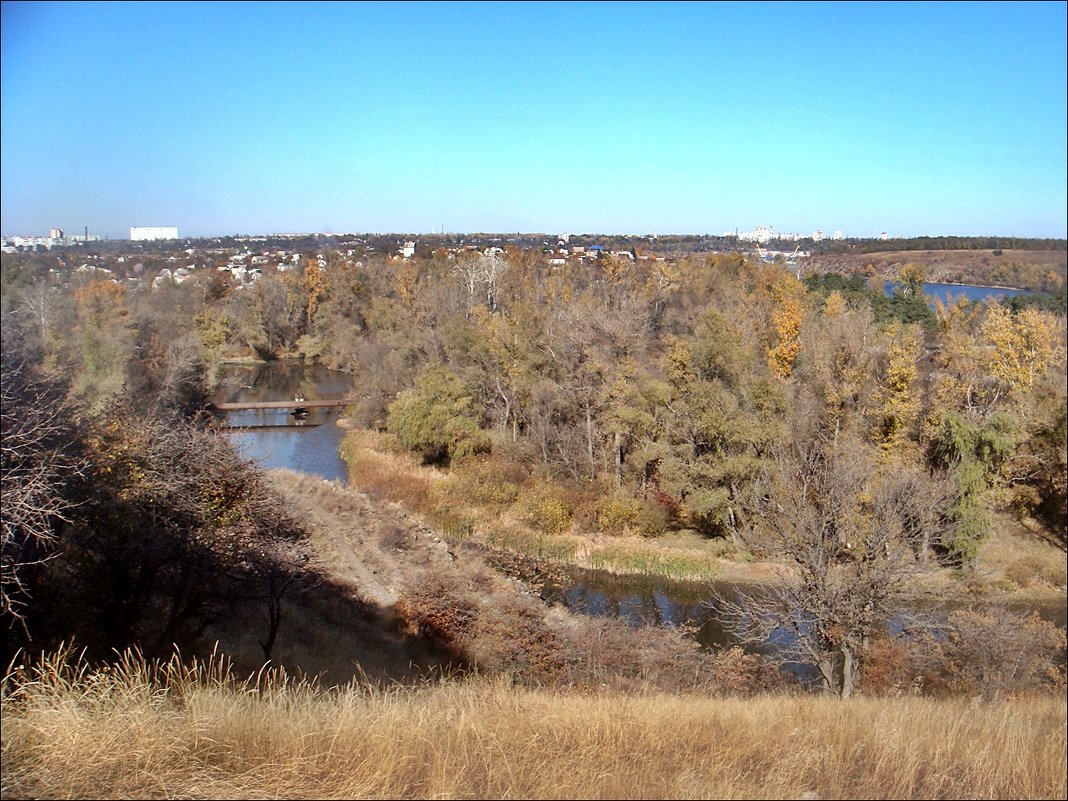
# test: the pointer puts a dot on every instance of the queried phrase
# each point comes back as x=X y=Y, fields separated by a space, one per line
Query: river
x=947 y=292
x=275 y=437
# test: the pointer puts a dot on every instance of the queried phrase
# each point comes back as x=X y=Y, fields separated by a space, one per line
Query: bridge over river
x=293 y=404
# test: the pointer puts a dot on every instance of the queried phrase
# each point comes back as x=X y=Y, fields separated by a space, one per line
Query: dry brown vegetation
x=444 y=608
x=956 y=266
x=133 y=732
x=1016 y=562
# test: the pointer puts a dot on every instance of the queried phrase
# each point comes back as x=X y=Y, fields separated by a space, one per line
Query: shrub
x=486 y=483
x=619 y=515
x=439 y=608
x=542 y=508
x=904 y=666
x=624 y=514
x=1029 y=569
x=997 y=652
x=653 y=520
x=438 y=418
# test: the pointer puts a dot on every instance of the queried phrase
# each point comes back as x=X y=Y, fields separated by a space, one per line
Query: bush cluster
x=542 y=508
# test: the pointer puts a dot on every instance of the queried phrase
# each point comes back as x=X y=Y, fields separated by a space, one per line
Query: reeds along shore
x=134 y=730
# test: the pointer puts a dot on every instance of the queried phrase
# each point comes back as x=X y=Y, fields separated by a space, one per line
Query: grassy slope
x=120 y=735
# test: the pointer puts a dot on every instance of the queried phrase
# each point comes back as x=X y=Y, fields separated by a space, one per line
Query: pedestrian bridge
x=291 y=404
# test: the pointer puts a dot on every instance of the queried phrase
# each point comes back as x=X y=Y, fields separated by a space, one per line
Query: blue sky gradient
x=913 y=118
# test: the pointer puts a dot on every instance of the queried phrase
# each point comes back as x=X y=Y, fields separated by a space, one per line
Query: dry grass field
x=174 y=732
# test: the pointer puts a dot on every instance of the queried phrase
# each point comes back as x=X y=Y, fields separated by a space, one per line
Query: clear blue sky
x=909 y=118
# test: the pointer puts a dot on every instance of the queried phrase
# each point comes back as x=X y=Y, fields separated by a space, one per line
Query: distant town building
x=408 y=250
x=55 y=238
x=761 y=234
x=148 y=233
x=817 y=235
x=884 y=236
x=838 y=236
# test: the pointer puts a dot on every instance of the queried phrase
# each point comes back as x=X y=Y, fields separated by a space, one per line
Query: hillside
x=385 y=590
x=1022 y=269
x=383 y=596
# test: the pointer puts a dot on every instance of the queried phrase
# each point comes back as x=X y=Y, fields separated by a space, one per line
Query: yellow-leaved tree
x=1019 y=348
x=898 y=398
x=786 y=318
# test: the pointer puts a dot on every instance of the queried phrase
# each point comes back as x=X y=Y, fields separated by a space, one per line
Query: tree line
x=861 y=435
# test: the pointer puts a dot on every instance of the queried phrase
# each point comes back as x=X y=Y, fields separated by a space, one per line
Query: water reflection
x=654 y=600
x=277 y=438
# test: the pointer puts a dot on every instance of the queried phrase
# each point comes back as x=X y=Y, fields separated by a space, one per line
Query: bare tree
x=478 y=275
x=845 y=528
x=36 y=436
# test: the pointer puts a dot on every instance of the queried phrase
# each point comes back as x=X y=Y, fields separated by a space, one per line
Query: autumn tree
x=437 y=417
x=838 y=369
x=337 y=325
x=786 y=317
x=268 y=315
x=1019 y=347
x=105 y=337
x=898 y=398
x=720 y=421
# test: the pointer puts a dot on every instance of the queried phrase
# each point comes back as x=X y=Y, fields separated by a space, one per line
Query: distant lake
x=944 y=292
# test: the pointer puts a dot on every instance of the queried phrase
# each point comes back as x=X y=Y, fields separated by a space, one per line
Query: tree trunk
x=827 y=677
x=849 y=670
x=619 y=460
x=276 y=590
x=589 y=443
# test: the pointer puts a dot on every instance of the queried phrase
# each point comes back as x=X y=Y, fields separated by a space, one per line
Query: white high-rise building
x=762 y=234
x=143 y=233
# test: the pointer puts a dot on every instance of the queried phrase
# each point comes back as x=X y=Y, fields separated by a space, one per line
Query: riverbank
x=1017 y=566
x=1024 y=270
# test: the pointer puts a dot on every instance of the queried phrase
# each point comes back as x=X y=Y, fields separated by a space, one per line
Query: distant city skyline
x=914 y=119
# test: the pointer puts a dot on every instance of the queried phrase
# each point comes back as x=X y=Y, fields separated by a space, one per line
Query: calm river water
x=947 y=292
x=276 y=438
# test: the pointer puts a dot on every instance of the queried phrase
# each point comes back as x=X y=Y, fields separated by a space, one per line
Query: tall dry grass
x=137 y=731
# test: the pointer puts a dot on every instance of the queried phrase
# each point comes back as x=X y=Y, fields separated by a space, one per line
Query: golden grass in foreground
x=198 y=733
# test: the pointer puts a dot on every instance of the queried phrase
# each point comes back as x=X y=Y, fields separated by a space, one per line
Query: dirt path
x=373 y=546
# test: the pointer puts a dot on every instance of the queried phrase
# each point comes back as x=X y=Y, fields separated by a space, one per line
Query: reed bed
x=638 y=557
x=135 y=730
